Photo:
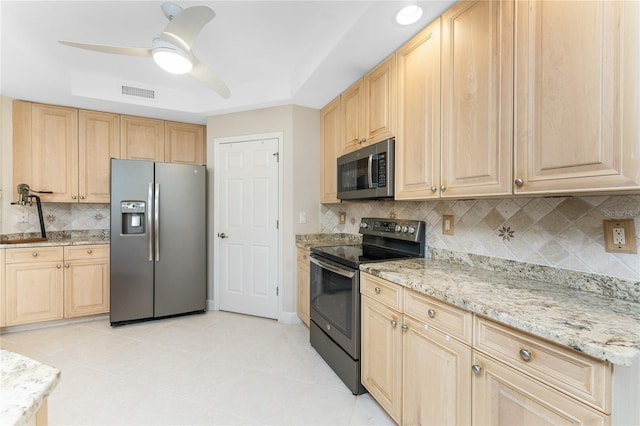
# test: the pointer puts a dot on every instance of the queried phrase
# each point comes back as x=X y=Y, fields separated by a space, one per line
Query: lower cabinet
x=51 y=283
x=428 y=362
x=302 y=285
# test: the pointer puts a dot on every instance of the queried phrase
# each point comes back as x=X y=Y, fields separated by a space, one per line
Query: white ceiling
x=268 y=52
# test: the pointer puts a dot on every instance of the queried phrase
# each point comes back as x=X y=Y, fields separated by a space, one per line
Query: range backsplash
x=57 y=217
x=564 y=232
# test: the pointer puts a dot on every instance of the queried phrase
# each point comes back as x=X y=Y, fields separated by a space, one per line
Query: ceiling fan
x=171 y=49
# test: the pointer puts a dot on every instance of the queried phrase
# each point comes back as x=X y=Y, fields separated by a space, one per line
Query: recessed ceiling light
x=409 y=14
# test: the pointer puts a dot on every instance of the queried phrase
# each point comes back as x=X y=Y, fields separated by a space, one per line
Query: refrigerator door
x=181 y=255
x=131 y=269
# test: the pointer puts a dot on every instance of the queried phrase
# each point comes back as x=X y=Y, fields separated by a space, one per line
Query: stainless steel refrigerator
x=158 y=240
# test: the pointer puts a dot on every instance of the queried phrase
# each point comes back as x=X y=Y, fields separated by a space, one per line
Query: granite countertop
x=24 y=386
x=57 y=239
x=306 y=241
x=602 y=327
x=55 y=243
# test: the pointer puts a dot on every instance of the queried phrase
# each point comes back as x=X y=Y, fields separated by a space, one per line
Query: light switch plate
x=447 y=224
x=342 y=218
x=620 y=236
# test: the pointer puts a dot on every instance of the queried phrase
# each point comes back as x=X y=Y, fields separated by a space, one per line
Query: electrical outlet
x=23 y=217
x=447 y=224
x=342 y=218
x=620 y=236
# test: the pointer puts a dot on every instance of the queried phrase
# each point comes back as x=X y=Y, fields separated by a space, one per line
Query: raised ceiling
x=269 y=53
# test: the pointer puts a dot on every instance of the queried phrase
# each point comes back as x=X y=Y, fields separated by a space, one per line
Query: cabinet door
x=86 y=287
x=330 y=140
x=503 y=396
x=437 y=379
x=381 y=357
x=98 y=142
x=352 y=106
x=418 y=141
x=184 y=143
x=54 y=153
x=3 y=289
x=141 y=138
x=33 y=292
x=577 y=94
x=477 y=99
x=380 y=102
x=303 y=285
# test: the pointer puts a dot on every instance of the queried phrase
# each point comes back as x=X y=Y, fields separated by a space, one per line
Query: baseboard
x=210 y=305
x=289 y=318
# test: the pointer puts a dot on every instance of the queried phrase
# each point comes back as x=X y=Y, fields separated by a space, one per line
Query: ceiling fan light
x=409 y=14
x=172 y=61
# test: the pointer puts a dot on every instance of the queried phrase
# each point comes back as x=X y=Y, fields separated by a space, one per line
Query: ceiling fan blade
x=116 y=50
x=205 y=75
x=188 y=23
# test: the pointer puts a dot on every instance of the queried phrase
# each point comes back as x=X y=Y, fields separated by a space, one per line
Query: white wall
x=300 y=165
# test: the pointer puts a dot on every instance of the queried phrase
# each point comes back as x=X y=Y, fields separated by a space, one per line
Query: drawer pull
x=89 y=251
x=431 y=313
x=34 y=254
x=304 y=256
x=476 y=369
x=377 y=289
x=394 y=324
x=525 y=354
x=404 y=327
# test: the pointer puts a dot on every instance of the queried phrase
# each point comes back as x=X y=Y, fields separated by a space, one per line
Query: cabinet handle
x=394 y=324
x=443 y=188
x=73 y=197
x=525 y=354
x=476 y=369
x=404 y=327
x=67 y=265
x=34 y=254
x=82 y=197
x=434 y=188
x=377 y=290
x=58 y=266
x=519 y=182
x=431 y=313
x=89 y=251
x=304 y=256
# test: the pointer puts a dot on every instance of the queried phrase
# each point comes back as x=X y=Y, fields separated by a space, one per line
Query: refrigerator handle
x=156 y=213
x=148 y=215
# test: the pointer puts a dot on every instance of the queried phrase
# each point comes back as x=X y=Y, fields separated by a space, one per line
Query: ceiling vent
x=138 y=92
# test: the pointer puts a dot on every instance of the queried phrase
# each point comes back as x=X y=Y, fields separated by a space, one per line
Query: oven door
x=335 y=303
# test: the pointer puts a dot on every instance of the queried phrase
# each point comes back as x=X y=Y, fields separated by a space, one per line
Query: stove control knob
x=398 y=228
x=412 y=230
x=405 y=229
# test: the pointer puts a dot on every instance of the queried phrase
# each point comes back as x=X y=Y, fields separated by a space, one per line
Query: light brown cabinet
x=86 y=280
x=369 y=108
x=65 y=151
x=477 y=99
x=330 y=139
x=3 y=287
x=34 y=285
x=51 y=283
x=418 y=142
x=184 y=143
x=578 y=97
x=141 y=138
x=303 y=299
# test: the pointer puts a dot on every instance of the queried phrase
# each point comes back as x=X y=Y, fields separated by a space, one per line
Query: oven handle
x=339 y=271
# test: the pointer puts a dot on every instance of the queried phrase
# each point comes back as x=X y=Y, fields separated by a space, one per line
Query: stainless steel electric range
x=335 y=289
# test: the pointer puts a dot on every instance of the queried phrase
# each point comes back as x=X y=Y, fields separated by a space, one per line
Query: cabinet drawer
x=580 y=376
x=99 y=251
x=381 y=290
x=34 y=254
x=446 y=318
x=303 y=255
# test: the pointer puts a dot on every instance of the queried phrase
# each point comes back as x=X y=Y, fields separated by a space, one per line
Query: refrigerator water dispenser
x=133 y=217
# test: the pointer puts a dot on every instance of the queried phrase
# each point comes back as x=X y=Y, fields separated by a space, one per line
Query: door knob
x=222 y=235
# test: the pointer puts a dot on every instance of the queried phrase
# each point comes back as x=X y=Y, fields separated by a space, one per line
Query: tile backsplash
x=57 y=217
x=564 y=232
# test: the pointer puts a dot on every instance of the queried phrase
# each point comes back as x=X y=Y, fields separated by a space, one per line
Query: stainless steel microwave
x=368 y=172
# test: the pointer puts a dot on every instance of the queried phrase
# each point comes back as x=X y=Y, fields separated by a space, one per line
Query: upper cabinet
x=141 y=138
x=184 y=143
x=369 y=108
x=99 y=141
x=418 y=139
x=477 y=99
x=577 y=97
x=330 y=137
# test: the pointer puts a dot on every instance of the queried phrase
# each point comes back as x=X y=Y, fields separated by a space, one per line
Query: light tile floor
x=216 y=368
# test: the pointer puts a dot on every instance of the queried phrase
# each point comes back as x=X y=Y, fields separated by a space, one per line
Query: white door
x=247 y=227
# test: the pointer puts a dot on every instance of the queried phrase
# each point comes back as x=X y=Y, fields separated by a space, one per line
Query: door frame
x=214 y=257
